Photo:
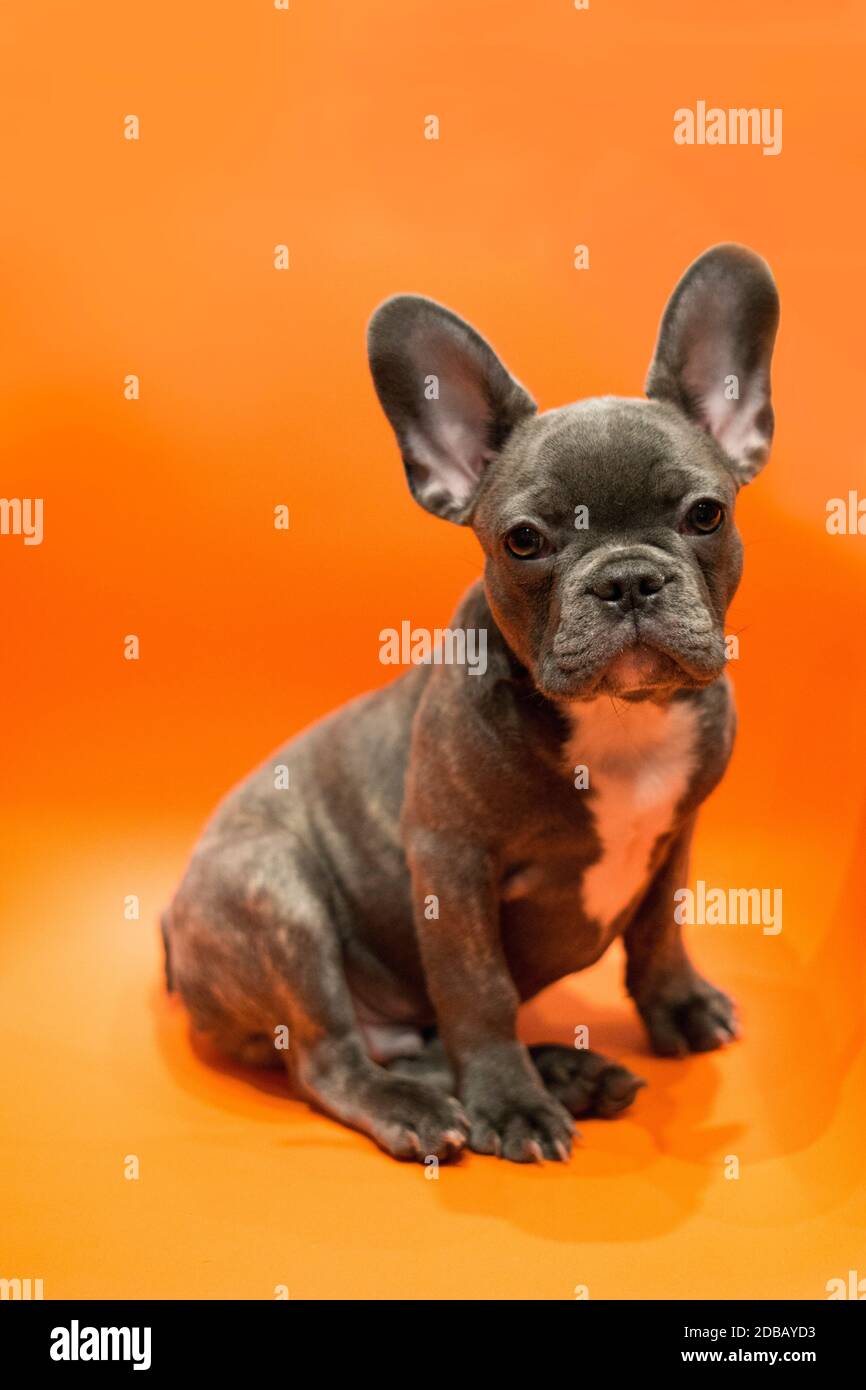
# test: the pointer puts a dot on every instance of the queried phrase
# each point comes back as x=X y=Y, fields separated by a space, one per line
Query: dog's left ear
x=712 y=358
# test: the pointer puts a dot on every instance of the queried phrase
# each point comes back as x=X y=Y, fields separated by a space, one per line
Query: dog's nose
x=628 y=584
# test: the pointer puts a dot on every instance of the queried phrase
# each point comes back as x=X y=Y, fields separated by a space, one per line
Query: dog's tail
x=164 y=922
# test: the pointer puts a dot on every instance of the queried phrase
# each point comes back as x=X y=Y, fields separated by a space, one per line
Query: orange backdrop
x=155 y=257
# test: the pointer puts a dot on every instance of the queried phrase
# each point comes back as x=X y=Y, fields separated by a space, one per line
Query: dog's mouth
x=638 y=668
x=641 y=670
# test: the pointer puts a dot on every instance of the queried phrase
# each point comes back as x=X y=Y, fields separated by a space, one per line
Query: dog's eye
x=705 y=516
x=525 y=543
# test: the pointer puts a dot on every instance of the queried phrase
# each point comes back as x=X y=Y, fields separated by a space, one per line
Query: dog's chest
x=639 y=760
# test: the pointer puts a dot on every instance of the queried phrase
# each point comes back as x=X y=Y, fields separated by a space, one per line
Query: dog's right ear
x=451 y=402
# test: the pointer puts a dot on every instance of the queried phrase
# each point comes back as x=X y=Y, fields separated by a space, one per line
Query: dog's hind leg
x=255 y=950
x=430 y=1065
x=586 y=1083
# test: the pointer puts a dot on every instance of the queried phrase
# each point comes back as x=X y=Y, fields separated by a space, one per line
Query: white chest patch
x=639 y=758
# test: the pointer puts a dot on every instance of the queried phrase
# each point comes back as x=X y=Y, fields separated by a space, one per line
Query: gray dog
x=455 y=842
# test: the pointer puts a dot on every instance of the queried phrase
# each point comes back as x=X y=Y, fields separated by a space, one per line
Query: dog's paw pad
x=585 y=1082
x=616 y=1091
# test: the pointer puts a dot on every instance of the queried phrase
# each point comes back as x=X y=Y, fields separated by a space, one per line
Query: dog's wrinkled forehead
x=623 y=460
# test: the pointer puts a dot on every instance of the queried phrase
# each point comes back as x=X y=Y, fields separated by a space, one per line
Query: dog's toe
x=695 y=1019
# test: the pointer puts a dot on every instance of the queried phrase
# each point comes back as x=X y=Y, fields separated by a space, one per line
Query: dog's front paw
x=412 y=1120
x=524 y=1125
x=688 y=1016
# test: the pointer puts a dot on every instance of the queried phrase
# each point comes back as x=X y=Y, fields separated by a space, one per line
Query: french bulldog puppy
x=453 y=843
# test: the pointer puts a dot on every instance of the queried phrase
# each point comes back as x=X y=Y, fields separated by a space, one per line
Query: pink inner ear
x=449 y=439
x=452 y=454
x=732 y=422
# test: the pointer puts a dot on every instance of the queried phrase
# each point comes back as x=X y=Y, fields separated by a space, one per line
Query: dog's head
x=608 y=525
